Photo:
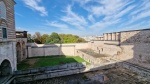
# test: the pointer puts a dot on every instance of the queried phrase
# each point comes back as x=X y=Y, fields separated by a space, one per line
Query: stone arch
x=18 y=50
x=5 y=68
x=24 y=50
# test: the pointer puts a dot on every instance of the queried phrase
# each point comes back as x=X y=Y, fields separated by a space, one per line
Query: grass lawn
x=36 y=62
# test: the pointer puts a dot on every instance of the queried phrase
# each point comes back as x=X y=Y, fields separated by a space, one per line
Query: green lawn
x=35 y=62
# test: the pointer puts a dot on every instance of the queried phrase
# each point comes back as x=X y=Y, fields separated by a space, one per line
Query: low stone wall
x=137 y=69
x=49 y=72
x=87 y=57
x=98 y=60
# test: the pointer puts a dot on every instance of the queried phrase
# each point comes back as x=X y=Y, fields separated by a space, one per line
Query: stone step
x=6 y=79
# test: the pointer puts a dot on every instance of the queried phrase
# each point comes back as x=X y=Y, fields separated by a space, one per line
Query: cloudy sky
x=81 y=17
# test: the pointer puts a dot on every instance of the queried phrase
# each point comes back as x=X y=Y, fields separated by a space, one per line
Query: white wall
x=8 y=52
x=57 y=49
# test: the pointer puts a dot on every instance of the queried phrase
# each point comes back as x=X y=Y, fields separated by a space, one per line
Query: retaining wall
x=144 y=72
x=49 y=72
x=106 y=47
x=57 y=49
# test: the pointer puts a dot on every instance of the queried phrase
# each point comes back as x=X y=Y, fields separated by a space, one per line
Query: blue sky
x=81 y=17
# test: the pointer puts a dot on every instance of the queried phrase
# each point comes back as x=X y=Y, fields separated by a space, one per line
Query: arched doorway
x=5 y=68
x=18 y=50
x=24 y=50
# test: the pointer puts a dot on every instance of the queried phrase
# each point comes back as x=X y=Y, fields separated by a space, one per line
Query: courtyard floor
x=112 y=76
x=42 y=61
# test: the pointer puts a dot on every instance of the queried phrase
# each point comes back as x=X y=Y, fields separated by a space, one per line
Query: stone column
x=29 y=51
x=113 y=36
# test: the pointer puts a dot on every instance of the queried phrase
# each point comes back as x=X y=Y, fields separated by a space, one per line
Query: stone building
x=7 y=38
x=21 y=42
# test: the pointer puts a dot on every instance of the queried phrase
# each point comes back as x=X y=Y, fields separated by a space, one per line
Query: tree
x=29 y=39
x=43 y=38
x=37 y=38
x=69 y=38
x=53 y=38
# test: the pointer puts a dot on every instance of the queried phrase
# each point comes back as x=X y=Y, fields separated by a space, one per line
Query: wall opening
x=5 y=68
x=18 y=50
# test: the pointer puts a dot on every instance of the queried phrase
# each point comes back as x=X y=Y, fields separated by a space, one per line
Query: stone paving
x=107 y=76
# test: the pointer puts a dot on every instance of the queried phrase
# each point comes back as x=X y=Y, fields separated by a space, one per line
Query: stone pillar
x=14 y=66
x=105 y=37
x=109 y=36
x=113 y=36
x=117 y=36
x=29 y=51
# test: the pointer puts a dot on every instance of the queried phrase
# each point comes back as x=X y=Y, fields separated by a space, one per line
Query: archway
x=18 y=50
x=5 y=68
x=24 y=50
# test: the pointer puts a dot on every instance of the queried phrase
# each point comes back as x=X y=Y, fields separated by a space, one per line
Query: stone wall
x=137 y=69
x=7 y=45
x=57 y=49
x=111 y=48
x=21 y=48
x=49 y=72
x=8 y=52
x=135 y=46
x=9 y=22
x=132 y=46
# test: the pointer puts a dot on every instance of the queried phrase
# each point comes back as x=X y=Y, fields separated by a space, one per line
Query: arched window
x=2 y=10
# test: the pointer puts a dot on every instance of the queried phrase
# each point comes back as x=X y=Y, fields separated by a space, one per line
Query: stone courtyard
x=116 y=58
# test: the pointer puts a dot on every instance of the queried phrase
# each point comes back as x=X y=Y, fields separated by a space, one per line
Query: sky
x=81 y=17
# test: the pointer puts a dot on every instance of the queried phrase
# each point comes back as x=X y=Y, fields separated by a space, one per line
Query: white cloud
x=74 y=19
x=103 y=24
x=19 y=14
x=57 y=25
x=91 y=18
x=82 y=2
x=105 y=8
x=34 y=5
x=140 y=25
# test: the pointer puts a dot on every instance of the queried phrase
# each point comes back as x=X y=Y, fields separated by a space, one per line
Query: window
x=2 y=10
x=4 y=31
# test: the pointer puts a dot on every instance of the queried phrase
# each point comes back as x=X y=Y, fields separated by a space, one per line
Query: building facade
x=7 y=38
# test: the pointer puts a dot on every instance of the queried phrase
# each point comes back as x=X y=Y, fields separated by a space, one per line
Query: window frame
x=3 y=33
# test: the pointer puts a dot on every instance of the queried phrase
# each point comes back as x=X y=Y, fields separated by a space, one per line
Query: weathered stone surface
x=42 y=76
x=110 y=76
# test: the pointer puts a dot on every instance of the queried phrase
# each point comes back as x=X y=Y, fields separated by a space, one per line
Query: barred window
x=4 y=31
x=2 y=10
